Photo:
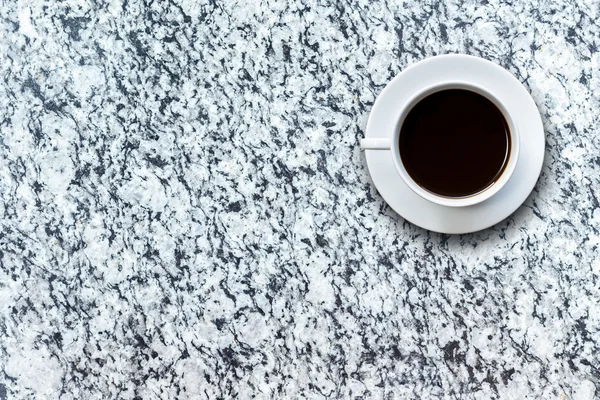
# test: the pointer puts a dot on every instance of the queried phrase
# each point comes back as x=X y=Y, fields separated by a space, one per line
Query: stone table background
x=185 y=212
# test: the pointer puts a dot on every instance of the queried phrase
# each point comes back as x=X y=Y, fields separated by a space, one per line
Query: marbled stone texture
x=185 y=212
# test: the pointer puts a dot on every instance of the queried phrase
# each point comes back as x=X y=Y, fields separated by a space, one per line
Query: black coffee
x=455 y=143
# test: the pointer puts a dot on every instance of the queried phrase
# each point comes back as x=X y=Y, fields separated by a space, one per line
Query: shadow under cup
x=456 y=144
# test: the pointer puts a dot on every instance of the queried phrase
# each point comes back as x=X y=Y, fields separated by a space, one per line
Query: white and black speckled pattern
x=185 y=212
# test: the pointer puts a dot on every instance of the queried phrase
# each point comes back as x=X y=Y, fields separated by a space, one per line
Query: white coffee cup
x=390 y=141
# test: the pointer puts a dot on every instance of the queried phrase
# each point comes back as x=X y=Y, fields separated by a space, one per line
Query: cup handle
x=375 y=144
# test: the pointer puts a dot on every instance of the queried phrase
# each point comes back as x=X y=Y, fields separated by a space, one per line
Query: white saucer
x=520 y=105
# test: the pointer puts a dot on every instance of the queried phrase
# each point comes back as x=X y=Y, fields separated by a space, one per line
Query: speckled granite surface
x=185 y=212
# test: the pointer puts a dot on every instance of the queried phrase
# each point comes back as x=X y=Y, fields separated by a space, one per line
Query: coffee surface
x=454 y=143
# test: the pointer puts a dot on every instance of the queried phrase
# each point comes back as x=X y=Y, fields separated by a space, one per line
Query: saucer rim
x=494 y=211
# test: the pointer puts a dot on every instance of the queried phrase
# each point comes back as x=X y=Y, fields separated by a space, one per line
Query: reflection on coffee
x=455 y=143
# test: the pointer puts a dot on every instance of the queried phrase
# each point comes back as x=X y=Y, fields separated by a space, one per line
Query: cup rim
x=474 y=198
